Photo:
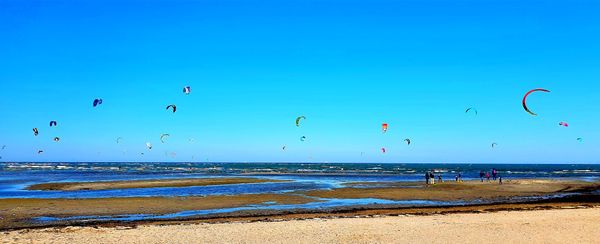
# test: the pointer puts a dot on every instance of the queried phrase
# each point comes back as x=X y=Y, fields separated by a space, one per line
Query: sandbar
x=104 y=185
x=456 y=191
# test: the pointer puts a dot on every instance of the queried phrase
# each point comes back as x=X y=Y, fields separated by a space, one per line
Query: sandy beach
x=542 y=226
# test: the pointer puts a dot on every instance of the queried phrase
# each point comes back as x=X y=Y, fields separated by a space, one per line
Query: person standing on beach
x=481 y=174
x=432 y=177
x=487 y=175
x=500 y=180
x=459 y=177
x=427 y=178
x=494 y=174
x=440 y=179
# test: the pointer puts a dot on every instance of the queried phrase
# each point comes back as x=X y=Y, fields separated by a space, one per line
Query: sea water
x=16 y=177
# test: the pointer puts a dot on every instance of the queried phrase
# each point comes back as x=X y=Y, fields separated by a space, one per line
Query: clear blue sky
x=254 y=66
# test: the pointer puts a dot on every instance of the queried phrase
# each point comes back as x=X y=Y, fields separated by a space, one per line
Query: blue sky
x=254 y=66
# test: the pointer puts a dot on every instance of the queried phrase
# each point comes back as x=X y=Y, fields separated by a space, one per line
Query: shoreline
x=564 y=204
x=366 y=211
x=571 y=225
x=478 y=197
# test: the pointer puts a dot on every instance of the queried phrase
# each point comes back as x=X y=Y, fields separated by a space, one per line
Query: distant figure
x=440 y=179
x=500 y=180
x=494 y=174
x=427 y=178
x=432 y=177
x=487 y=176
x=459 y=177
x=456 y=178
x=481 y=175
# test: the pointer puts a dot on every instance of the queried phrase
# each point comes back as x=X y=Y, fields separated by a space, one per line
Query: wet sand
x=16 y=213
x=542 y=226
x=105 y=185
x=454 y=191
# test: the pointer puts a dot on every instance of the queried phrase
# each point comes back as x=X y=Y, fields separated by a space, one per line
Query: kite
x=149 y=145
x=471 y=109
x=525 y=99
x=56 y=139
x=3 y=147
x=187 y=90
x=298 y=120
x=384 y=127
x=119 y=139
x=407 y=141
x=35 y=131
x=383 y=150
x=283 y=148
x=97 y=102
x=163 y=137
x=172 y=106
x=53 y=123
x=303 y=138
x=563 y=124
x=40 y=151
x=579 y=139
x=494 y=144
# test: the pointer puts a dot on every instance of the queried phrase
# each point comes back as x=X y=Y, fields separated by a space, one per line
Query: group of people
x=487 y=176
x=458 y=177
x=430 y=177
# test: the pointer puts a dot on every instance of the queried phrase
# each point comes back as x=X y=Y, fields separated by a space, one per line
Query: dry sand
x=542 y=226
x=104 y=185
